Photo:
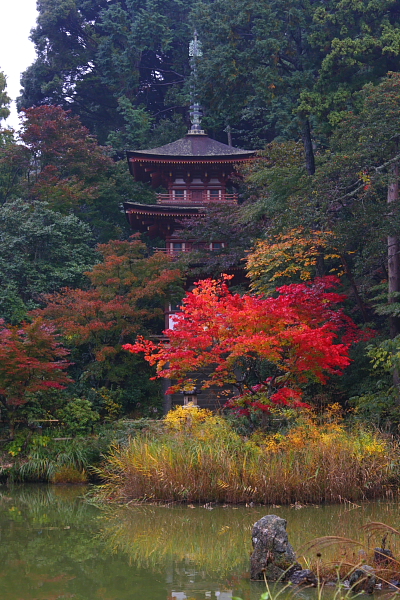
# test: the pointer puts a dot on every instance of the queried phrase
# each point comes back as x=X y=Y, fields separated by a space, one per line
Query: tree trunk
x=393 y=263
x=308 y=147
x=353 y=284
x=393 y=250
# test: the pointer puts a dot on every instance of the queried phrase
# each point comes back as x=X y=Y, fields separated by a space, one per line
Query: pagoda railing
x=173 y=251
x=187 y=248
x=197 y=198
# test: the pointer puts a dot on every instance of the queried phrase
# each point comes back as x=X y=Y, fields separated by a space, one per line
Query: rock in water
x=272 y=556
x=363 y=580
x=382 y=556
x=304 y=577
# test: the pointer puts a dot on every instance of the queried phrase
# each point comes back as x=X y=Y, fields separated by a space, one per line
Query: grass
x=199 y=458
x=57 y=461
x=343 y=555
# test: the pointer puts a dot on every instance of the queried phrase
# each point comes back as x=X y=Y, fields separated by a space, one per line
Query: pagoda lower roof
x=193 y=147
x=160 y=210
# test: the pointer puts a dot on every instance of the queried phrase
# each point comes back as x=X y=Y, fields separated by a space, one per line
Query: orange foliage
x=128 y=291
x=295 y=253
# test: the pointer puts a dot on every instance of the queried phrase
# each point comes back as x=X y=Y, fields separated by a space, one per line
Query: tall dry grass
x=199 y=458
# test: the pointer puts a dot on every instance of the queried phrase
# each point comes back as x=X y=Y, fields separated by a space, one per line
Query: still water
x=55 y=545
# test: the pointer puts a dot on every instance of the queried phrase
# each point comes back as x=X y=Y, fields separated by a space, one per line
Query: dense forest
x=313 y=86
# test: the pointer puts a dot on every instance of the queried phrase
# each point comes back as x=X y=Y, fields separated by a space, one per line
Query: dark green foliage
x=120 y=65
x=4 y=98
x=264 y=59
x=224 y=224
x=78 y=416
x=41 y=251
x=375 y=396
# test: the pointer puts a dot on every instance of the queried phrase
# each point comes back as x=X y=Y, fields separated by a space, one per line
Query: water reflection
x=54 y=545
x=198 y=547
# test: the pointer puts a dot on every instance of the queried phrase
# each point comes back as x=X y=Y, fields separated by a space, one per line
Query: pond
x=55 y=545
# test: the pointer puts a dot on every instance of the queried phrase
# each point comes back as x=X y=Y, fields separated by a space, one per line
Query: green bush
x=78 y=416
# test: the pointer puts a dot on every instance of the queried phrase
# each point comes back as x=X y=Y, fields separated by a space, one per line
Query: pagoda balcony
x=174 y=251
x=196 y=198
x=177 y=249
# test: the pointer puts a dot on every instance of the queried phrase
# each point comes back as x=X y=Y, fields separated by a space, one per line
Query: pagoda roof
x=158 y=220
x=160 y=210
x=193 y=146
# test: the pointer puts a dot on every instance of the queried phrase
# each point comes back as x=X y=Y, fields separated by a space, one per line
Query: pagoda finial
x=195 y=52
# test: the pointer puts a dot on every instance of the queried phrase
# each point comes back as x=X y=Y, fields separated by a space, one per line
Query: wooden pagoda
x=195 y=171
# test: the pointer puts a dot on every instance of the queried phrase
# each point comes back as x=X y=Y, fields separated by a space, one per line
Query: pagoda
x=195 y=171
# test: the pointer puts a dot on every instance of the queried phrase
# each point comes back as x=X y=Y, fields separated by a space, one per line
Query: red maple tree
x=254 y=343
x=127 y=294
x=31 y=360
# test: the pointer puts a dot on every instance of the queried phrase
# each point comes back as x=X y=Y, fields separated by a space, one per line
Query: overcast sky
x=16 y=51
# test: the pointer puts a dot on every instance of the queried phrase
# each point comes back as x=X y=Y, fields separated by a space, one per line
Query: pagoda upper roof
x=193 y=145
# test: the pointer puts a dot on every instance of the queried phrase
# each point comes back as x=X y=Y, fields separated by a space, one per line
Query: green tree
x=287 y=68
x=41 y=251
x=263 y=57
x=358 y=192
x=359 y=42
x=4 y=98
x=120 y=65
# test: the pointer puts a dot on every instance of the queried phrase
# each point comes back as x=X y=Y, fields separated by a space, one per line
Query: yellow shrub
x=69 y=474
x=186 y=417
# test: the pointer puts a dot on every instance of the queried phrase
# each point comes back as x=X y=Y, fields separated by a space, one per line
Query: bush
x=78 y=416
x=69 y=474
x=44 y=456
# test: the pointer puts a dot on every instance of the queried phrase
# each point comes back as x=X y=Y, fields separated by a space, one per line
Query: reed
x=204 y=460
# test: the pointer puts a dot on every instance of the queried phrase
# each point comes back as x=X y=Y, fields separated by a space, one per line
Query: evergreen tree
x=120 y=65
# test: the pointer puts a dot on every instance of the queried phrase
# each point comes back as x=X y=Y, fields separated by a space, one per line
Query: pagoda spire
x=195 y=52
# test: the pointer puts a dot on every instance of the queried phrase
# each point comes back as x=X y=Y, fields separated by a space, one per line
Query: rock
x=304 y=577
x=394 y=584
x=363 y=580
x=273 y=556
x=382 y=556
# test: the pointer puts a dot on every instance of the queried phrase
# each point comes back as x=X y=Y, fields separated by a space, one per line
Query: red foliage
x=127 y=293
x=64 y=161
x=295 y=335
x=261 y=397
x=31 y=359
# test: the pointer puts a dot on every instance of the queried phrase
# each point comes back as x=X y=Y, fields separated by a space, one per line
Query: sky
x=16 y=50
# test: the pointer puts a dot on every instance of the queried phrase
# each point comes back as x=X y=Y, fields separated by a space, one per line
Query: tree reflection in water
x=54 y=545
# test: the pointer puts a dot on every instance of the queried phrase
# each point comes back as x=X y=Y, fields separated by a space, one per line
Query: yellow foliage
x=294 y=253
x=188 y=418
x=69 y=474
x=331 y=437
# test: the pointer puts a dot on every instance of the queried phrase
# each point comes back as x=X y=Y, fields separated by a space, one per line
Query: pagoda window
x=179 y=194
x=214 y=194
x=175 y=247
x=217 y=245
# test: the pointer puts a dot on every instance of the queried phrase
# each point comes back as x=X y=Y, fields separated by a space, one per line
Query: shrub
x=78 y=416
x=69 y=474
